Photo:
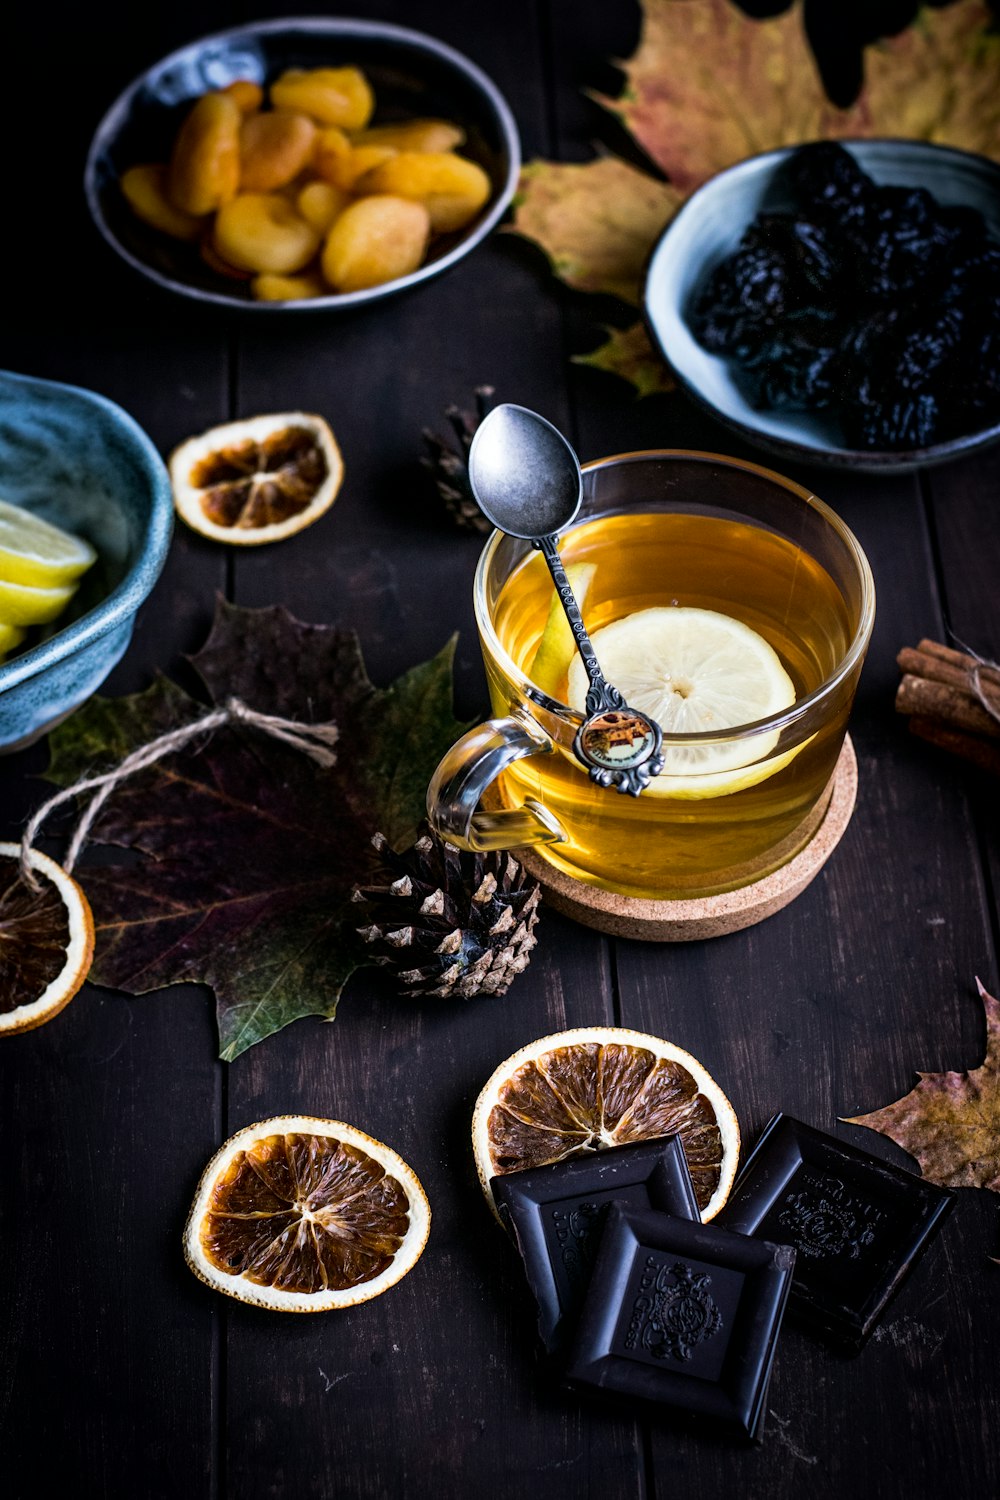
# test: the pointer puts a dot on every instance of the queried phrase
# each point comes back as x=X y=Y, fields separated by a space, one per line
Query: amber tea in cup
x=667 y=530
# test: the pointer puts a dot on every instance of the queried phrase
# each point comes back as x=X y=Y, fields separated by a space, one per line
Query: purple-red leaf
x=251 y=849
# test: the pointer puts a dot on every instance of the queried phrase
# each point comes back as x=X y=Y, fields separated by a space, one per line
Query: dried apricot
x=274 y=148
x=215 y=262
x=452 y=189
x=413 y=135
x=319 y=203
x=145 y=190
x=375 y=240
x=340 y=163
x=205 y=164
x=269 y=288
x=263 y=232
x=245 y=94
x=333 y=96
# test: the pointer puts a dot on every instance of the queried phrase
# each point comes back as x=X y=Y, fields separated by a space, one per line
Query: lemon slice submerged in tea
x=557 y=646
x=695 y=671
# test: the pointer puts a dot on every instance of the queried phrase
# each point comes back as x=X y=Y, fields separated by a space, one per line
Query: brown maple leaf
x=708 y=86
x=951 y=1121
x=247 y=852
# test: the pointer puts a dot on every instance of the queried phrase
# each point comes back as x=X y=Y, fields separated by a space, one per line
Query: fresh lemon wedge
x=696 y=671
x=557 y=648
x=20 y=604
x=11 y=637
x=37 y=554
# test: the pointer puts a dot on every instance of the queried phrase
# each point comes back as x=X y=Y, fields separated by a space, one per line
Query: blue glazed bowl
x=412 y=74
x=78 y=460
x=710 y=226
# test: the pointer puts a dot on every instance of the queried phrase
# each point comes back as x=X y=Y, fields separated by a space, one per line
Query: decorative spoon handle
x=549 y=548
x=620 y=747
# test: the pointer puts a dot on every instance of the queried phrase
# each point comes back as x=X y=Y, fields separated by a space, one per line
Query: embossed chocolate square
x=857 y=1224
x=683 y=1314
x=555 y=1214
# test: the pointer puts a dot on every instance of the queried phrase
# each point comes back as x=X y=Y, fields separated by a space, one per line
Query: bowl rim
x=331 y=26
x=863 y=460
x=123 y=600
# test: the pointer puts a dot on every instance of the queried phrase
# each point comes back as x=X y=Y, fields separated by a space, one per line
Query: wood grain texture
x=120 y=1375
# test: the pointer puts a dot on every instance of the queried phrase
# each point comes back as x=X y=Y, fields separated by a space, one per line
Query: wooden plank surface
x=122 y=1376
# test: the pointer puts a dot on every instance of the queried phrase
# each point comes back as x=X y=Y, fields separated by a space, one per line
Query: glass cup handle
x=472 y=765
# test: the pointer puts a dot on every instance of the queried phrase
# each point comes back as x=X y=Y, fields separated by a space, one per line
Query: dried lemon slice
x=597 y=1087
x=696 y=671
x=305 y=1215
x=259 y=479
x=46 y=940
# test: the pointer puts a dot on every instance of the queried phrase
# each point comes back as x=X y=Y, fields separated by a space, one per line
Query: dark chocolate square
x=683 y=1314
x=556 y=1213
x=857 y=1224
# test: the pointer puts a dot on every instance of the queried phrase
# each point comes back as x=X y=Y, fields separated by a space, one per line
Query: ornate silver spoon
x=526 y=479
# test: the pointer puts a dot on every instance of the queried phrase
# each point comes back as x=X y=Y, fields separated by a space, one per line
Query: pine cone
x=450 y=466
x=450 y=923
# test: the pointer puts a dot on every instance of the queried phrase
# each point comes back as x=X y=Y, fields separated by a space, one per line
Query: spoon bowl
x=524 y=474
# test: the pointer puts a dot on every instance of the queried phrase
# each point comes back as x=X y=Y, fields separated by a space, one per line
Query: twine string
x=314 y=740
x=980 y=664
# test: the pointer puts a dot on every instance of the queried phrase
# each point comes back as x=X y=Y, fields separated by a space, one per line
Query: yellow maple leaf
x=628 y=353
x=707 y=86
x=595 y=222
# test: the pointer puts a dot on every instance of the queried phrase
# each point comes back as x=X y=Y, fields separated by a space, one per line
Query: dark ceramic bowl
x=411 y=74
x=78 y=460
x=710 y=226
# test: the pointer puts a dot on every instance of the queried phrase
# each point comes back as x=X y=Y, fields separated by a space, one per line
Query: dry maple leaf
x=595 y=222
x=249 y=851
x=951 y=1121
x=709 y=86
x=629 y=353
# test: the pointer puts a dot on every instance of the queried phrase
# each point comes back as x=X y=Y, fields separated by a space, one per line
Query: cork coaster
x=709 y=916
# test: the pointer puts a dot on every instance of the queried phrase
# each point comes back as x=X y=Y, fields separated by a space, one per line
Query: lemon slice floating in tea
x=557 y=647
x=36 y=553
x=597 y=1087
x=257 y=480
x=46 y=940
x=305 y=1215
x=695 y=671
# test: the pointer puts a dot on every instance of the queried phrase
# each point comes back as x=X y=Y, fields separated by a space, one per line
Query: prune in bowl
x=840 y=303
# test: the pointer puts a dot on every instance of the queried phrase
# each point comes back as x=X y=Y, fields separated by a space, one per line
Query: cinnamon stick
x=949 y=705
x=933 y=667
x=970 y=747
x=987 y=671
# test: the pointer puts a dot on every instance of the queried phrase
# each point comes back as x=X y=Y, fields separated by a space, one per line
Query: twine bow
x=313 y=740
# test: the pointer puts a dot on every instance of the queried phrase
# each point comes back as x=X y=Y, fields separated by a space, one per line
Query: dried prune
x=875 y=301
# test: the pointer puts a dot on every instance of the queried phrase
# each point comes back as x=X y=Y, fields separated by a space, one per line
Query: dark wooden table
x=122 y=1376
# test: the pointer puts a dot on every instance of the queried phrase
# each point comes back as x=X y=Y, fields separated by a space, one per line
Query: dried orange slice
x=259 y=479
x=46 y=940
x=305 y=1215
x=603 y=1086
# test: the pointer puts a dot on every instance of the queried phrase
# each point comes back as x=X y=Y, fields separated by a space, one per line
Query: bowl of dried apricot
x=303 y=164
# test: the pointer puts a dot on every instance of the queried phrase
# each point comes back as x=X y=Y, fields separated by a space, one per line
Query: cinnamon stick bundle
x=952 y=699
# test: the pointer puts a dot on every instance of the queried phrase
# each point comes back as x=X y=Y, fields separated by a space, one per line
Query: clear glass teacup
x=662 y=529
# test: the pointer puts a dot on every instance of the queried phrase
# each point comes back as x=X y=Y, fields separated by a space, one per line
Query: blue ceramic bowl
x=412 y=74
x=710 y=226
x=81 y=462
